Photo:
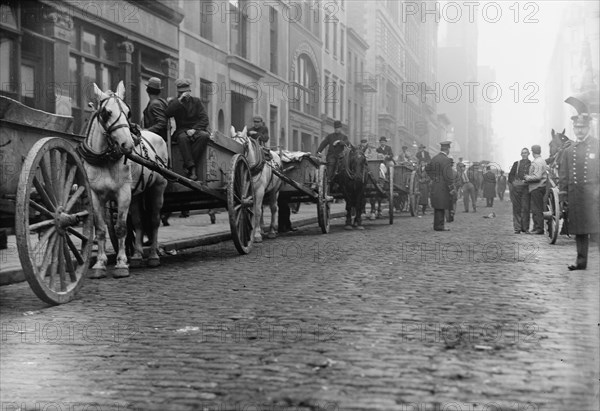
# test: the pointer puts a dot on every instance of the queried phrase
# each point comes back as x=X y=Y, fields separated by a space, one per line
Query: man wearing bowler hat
x=422 y=155
x=191 y=123
x=334 y=143
x=385 y=150
x=579 y=184
x=442 y=185
x=155 y=119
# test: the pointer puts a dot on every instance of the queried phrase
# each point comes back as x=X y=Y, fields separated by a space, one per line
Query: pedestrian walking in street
x=536 y=180
x=191 y=123
x=468 y=188
x=442 y=185
x=501 y=185
x=489 y=186
x=424 y=183
x=453 y=193
x=579 y=184
x=519 y=192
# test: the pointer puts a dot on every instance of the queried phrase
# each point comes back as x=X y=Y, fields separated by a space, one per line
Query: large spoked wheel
x=552 y=215
x=414 y=195
x=54 y=220
x=391 y=193
x=323 y=209
x=240 y=204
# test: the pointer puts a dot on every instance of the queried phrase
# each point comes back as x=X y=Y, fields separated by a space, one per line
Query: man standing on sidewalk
x=536 y=179
x=519 y=193
x=579 y=179
x=442 y=186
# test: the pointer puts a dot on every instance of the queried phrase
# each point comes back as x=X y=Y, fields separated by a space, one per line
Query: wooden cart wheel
x=552 y=215
x=391 y=193
x=323 y=208
x=54 y=220
x=240 y=204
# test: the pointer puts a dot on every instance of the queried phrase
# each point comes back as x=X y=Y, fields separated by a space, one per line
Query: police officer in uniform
x=442 y=185
x=579 y=184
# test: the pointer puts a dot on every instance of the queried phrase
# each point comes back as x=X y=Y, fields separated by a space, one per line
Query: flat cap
x=183 y=84
x=364 y=140
x=257 y=118
x=337 y=124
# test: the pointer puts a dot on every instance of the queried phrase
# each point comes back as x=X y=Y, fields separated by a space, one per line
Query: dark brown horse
x=558 y=144
x=351 y=179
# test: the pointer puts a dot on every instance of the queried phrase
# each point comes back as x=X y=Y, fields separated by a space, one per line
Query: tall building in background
x=457 y=63
x=401 y=62
x=487 y=149
x=573 y=67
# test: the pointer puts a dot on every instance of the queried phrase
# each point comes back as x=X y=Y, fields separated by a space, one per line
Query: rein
x=112 y=153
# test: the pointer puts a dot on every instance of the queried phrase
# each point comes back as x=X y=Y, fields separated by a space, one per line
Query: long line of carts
x=45 y=194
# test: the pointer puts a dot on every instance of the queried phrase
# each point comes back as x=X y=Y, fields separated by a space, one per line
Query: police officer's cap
x=445 y=144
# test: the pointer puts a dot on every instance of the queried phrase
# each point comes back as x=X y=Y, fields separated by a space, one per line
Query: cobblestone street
x=395 y=317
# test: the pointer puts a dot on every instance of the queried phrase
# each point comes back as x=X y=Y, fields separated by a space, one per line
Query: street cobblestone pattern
x=396 y=317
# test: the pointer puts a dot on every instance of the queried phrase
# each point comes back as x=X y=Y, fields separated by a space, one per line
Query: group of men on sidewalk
x=578 y=181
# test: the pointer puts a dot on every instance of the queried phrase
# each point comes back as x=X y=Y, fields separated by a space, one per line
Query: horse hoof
x=271 y=235
x=153 y=262
x=360 y=227
x=136 y=262
x=258 y=239
x=97 y=273
x=347 y=227
x=121 y=272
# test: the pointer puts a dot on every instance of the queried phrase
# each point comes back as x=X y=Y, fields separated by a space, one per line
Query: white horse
x=266 y=183
x=113 y=178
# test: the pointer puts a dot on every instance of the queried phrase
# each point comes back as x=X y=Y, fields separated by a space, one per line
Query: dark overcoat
x=442 y=181
x=579 y=178
x=489 y=185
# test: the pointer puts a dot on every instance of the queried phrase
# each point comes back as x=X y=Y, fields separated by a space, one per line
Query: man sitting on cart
x=335 y=143
x=191 y=123
x=260 y=133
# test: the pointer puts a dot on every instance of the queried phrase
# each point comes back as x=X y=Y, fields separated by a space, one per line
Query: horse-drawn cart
x=399 y=183
x=306 y=181
x=224 y=180
x=44 y=187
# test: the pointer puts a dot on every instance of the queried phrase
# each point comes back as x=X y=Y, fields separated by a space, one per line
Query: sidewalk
x=194 y=231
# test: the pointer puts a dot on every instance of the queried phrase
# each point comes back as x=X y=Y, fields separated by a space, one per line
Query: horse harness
x=112 y=153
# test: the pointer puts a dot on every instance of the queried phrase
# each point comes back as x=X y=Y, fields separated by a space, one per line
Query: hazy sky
x=520 y=53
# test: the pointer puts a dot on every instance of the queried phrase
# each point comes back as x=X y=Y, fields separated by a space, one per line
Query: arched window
x=221 y=122
x=306 y=96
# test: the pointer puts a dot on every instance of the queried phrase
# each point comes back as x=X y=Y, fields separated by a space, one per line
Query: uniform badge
x=592 y=156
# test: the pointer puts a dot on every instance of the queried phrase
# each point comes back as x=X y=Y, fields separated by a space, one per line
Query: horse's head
x=557 y=142
x=113 y=116
x=250 y=151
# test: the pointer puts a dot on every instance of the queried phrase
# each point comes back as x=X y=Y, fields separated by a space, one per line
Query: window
x=273 y=117
x=341 y=102
x=206 y=90
x=349 y=75
x=239 y=27
x=334 y=46
x=89 y=62
x=327 y=95
x=206 y=12
x=334 y=100
x=8 y=80
x=327 y=22
x=306 y=87
x=273 y=31
x=342 y=52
